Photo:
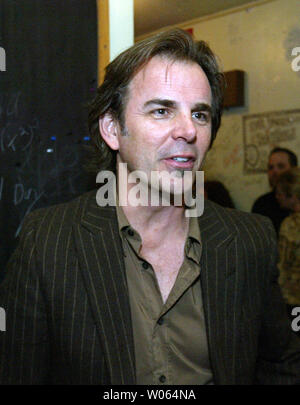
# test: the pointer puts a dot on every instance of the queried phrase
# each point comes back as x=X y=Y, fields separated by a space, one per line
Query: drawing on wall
x=262 y=132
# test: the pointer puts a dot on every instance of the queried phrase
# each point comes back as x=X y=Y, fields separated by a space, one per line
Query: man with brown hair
x=280 y=160
x=147 y=294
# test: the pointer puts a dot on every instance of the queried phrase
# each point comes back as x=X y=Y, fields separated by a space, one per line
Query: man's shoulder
x=264 y=201
x=73 y=206
x=239 y=222
x=270 y=196
x=64 y=215
x=234 y=214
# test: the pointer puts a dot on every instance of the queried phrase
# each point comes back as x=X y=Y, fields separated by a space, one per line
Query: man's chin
x=173 y=194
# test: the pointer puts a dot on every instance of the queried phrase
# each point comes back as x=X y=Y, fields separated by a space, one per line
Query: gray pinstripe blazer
x=67 y=304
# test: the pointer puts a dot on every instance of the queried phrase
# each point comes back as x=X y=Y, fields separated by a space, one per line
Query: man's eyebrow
x=202 y=107
x=160 y=101
x=172 y=104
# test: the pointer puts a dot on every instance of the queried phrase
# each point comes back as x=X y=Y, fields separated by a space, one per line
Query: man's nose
x=184 y=128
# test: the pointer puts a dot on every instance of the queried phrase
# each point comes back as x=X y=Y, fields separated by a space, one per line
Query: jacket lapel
x=103 y=270
x=221 y=290
x=101 y=261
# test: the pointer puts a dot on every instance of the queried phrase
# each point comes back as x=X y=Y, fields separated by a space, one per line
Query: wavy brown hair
x=111 y=96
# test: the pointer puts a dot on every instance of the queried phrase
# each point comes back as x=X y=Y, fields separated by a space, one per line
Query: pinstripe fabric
x=67 y=305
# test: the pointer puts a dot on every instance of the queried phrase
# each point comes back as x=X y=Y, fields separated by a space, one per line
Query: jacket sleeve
x=278 y=359
x=24 y=345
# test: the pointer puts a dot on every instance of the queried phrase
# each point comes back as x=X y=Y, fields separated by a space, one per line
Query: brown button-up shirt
x=169 y=338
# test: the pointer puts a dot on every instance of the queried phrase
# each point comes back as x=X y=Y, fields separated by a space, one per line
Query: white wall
x=121 y=26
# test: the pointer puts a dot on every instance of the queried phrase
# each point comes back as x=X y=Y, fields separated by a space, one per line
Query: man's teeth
x=180 y=159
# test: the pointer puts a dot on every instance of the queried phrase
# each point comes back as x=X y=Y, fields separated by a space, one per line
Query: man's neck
x=154 y=224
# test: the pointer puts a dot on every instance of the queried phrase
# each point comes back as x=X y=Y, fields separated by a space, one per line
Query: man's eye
x=160 y=111
x=200 y=116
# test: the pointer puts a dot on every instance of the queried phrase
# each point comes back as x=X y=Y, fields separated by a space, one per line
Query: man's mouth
x=181 y=159
x=180 y=162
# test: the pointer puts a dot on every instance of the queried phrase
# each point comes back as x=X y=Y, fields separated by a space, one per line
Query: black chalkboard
x=51 y=70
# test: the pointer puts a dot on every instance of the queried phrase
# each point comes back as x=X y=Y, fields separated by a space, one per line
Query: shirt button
x=161 y=321
x=162 y=378
x=145 y=265
x=130 y=232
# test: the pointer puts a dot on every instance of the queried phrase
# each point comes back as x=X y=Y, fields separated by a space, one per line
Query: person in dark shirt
x=280 y=160
x=216 y=191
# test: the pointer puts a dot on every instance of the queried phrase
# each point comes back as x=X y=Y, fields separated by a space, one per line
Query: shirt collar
x=193 y=243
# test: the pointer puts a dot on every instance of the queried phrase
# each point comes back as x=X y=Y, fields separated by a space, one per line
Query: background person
x=280 y=160
x=216 y=191
x=288 y=196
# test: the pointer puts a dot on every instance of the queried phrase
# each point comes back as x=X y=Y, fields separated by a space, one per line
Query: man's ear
x=109 y=130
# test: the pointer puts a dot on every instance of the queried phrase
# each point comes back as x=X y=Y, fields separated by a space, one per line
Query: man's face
x=278 y=163
x=167 y=119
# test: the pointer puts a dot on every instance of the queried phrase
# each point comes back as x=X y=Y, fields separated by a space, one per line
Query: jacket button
x=161 y=321
x=145 y=265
